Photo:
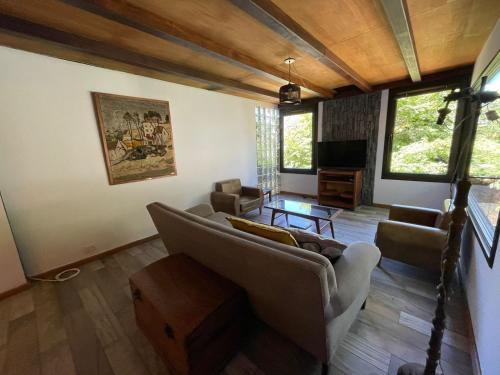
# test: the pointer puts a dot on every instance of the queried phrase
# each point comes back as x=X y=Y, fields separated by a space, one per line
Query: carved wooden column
x=449 y=260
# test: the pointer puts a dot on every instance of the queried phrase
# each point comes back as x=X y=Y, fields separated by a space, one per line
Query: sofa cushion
x=306 y=237
x=203 y=210
x=219 y=217
x=263 y=230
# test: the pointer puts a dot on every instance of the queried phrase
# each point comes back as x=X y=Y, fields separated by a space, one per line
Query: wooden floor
x=86 y=325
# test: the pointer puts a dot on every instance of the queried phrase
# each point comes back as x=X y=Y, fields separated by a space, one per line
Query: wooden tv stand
x=339 y=187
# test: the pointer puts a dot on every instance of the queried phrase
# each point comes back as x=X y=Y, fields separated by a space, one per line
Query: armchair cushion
x=415 y=215
x=248 y=203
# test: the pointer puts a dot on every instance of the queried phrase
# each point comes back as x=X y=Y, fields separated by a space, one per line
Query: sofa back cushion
x=232 y=186
x=289 y=288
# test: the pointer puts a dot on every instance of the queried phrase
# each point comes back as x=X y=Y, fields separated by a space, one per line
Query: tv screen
x=342 y=154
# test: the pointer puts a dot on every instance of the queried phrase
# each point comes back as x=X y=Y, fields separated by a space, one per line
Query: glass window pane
x=419 y=145
x=485 y=160
x=485 y=202
x=297 y=141
x=484 y=197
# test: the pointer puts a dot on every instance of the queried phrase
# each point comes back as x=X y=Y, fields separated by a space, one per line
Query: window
x=485 y=160
x=298 y=140
x=417 y=148
x=484 y=197
x=267 y=123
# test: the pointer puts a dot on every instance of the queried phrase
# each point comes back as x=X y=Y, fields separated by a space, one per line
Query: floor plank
x=57 y=360
x=86 y=326
x=420 y=325
x=21 y=304
x=363 y=349
x=22 y=354
x=49 y=318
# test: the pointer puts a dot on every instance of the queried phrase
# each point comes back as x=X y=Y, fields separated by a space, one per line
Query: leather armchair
x=413 y=235
x=232 y=198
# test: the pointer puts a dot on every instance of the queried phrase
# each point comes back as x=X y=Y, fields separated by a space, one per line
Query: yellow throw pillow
x=263 y=230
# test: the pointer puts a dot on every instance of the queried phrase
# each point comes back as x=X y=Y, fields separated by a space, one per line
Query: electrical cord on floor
x=61 y=276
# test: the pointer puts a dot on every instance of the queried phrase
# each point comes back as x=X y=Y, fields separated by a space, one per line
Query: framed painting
x=136 y=136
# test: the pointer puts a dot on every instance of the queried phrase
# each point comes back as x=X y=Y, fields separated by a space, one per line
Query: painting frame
x=98 y=98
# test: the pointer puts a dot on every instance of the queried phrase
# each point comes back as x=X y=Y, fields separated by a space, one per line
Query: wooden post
x=449 y=260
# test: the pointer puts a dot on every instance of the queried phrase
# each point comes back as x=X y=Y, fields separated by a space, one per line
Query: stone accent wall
x=355 y=118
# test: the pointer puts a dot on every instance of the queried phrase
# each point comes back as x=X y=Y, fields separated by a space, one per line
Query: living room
x=348 y=132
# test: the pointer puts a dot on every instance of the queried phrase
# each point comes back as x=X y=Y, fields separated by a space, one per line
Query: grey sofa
x=297 y=292
x=414 y=235
x=230 y=197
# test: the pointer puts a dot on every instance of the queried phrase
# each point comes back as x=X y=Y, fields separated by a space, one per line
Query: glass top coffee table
x=321 y=215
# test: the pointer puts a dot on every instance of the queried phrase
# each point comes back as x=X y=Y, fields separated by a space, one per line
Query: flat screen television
x=342 y=154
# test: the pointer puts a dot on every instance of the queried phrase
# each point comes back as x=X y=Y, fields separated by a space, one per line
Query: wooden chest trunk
x=194 y=318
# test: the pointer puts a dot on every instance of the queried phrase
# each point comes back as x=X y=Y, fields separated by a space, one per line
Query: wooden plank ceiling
x=238 y=46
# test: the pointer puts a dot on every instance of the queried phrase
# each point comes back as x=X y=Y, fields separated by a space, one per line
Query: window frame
x=475 y=217
x=418 y=89
x=297 y=110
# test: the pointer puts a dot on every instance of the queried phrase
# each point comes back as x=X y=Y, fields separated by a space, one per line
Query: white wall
x=299 y=183
x=414 y=193
x=482 y=288
x=482 y=283
x=11 y=271
x=53 y=176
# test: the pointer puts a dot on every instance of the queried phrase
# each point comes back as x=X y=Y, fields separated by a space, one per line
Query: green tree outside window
x=297 y=141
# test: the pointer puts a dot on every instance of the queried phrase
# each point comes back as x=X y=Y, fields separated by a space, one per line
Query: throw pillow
x=263 y=230
x=328 y=247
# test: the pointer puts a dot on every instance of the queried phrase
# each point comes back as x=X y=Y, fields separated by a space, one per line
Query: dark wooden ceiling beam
x=269 y=14
x=399 y=19
x=25 y=28
x=150 y=23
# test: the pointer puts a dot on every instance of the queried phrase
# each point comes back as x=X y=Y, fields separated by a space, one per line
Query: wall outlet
x=90 y=249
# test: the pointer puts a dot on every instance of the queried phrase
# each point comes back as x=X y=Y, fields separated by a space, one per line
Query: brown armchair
x=413 y=235
x=230 y=197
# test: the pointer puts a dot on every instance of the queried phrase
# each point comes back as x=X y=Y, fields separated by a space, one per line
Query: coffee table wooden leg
x=318 y=227
x=331 y=227
x=272 y=217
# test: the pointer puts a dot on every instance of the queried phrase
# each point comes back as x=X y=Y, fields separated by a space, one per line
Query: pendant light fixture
x=290 y=93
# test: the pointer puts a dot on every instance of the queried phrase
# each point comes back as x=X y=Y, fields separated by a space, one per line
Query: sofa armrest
x=251 y=191
x=352 y=272
x=414 y=215
x=203 y=210
x=228 y=203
